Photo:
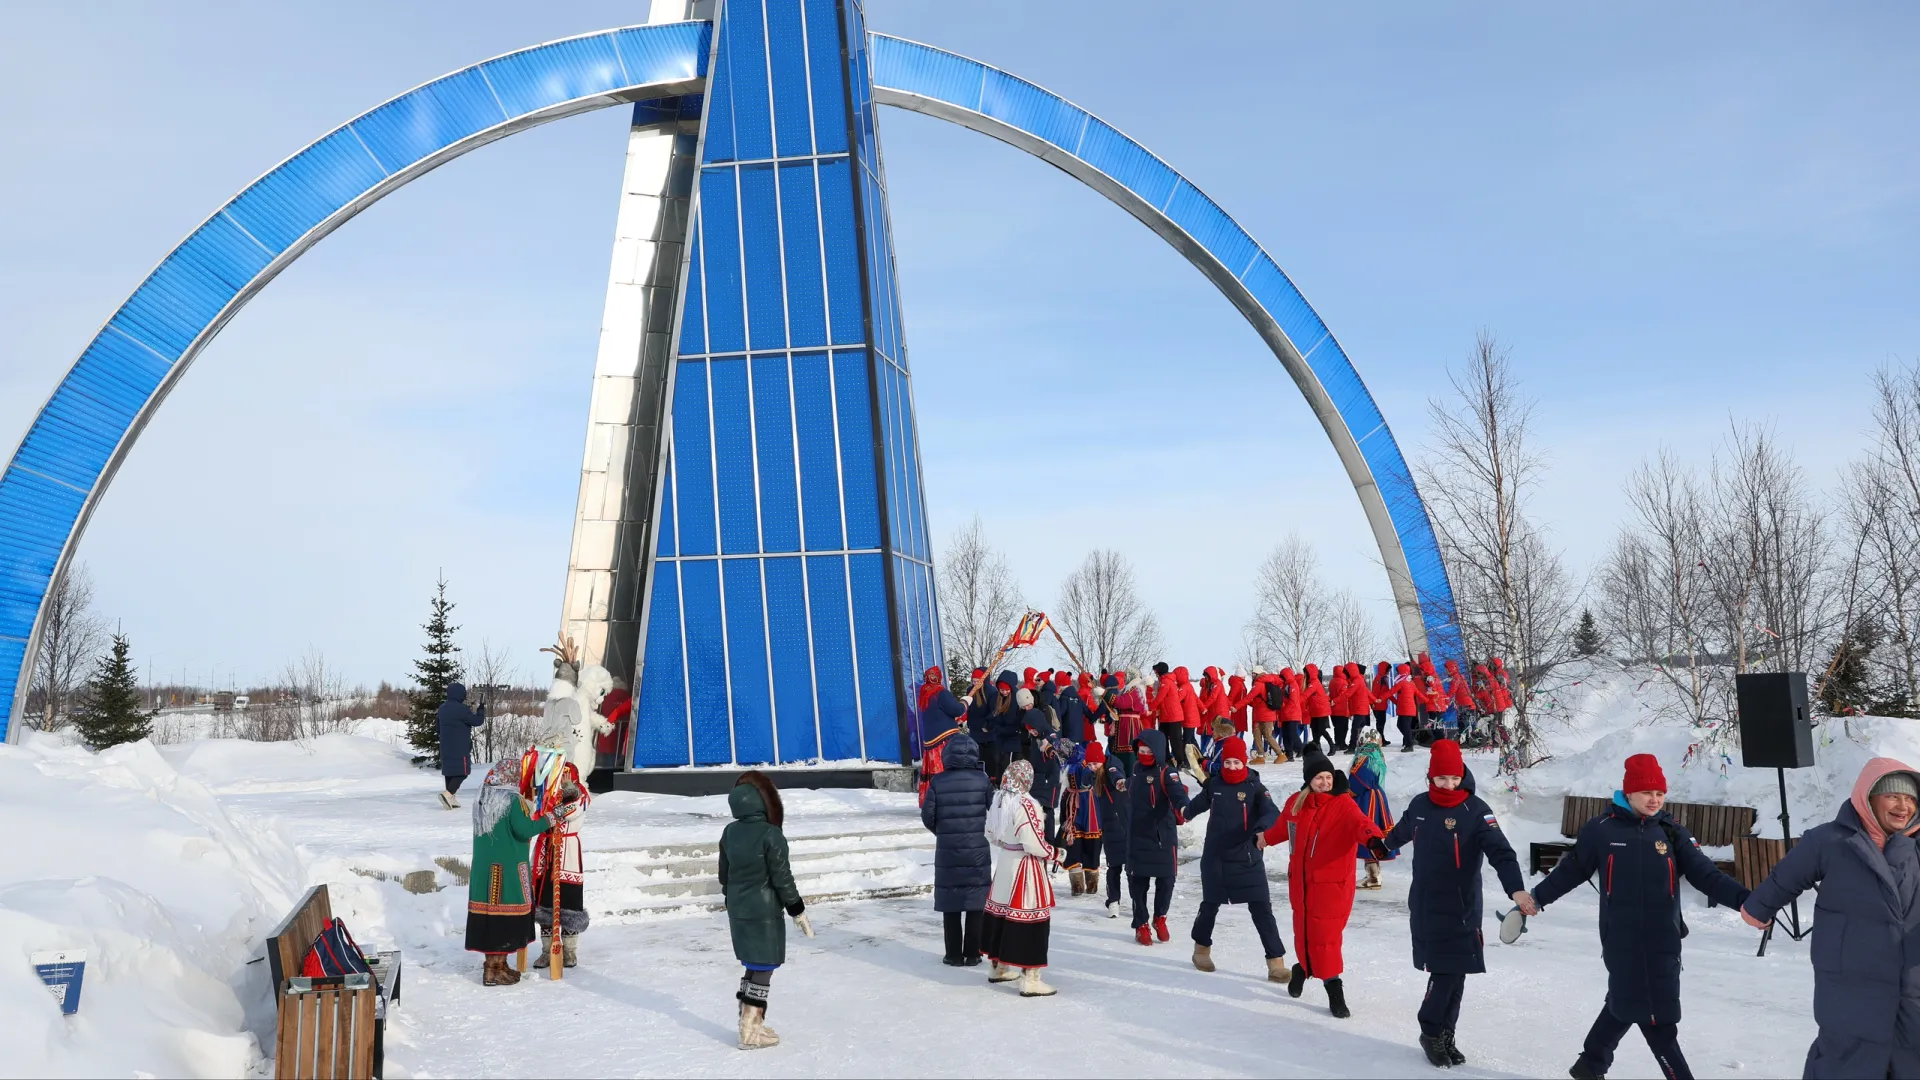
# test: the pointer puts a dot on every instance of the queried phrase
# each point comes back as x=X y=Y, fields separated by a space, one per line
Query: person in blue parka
x=456 y=723
x=1156 y=801
x=955 y=810
x=1233 y=868
x=1452 y=832
x=1866 y=925
x=1640 y=855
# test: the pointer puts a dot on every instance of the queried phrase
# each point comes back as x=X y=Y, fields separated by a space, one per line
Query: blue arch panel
x=70 y=453
x=925 y=79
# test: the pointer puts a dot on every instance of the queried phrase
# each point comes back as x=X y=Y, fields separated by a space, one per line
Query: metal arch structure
x=77 y=442
x=982 y=98
x=80 y=437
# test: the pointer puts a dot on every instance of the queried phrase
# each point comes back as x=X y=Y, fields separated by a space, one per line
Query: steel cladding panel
x=734 y=467
x=792 y=659
x=773 y=440
x=834 y=691
x=760 y=235
x=660 y=724
x=720 y=241
x=747 y=663
x=800 y=228
x=706 y=661
x=879 y=705
x=819 y=455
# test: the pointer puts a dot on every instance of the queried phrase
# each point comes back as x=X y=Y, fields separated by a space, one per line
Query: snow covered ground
x=170 y=864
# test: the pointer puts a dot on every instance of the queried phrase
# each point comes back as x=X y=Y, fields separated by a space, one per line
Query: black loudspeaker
x=1774 y=729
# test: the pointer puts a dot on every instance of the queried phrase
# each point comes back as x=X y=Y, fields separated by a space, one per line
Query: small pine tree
x=438 y=666
x=1586 y=637
x=112 y=715
x=1846 y=687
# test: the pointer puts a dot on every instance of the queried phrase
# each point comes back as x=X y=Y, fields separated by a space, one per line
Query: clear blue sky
x=1673 y=216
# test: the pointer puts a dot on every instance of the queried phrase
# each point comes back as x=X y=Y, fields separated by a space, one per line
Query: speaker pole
x=1786 y=835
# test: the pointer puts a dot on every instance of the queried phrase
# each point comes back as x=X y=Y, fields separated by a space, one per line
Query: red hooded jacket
x=1405 y=694
x=1236 y=704
x=1325 y=828
x=1359 y=701
x=1457 y=688
x=1337 y=691
x=1502 y=686
x=1256 y=698
x=1316 y=695
x=1189 y=701
x=1293 y=701
x=1214 y=702
x=1382 y=686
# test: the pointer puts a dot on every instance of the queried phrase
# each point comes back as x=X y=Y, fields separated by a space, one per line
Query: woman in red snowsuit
x=1237 y=704
x=1325 y=826
x=1377 y=697
x=1214 y=703
x=1337 y=704
x=1316 y=704
x=1406 y=704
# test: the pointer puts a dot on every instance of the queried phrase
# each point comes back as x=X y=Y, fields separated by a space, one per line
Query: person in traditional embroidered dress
x=499 y=904
x=573 y=901
x=1020 y=904
x=1081 y=823
x=1368 y=779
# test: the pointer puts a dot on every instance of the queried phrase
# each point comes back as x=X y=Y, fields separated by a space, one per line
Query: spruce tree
x=1586 y=637
x=1846 y=689
x=439 y=665
x=112 y=715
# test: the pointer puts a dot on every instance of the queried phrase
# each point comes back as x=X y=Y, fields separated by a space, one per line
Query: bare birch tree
x=1654 y=585
x=979 y=599
x=1293 y=617
x=1512 y=594
x=1355 y=635
x=71 y=637
x=1101 y=617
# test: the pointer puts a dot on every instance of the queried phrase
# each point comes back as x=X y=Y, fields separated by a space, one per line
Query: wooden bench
x=1712 y=824
x=331 y=1027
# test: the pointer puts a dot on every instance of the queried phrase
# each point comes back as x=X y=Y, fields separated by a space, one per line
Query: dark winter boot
x=1453 y=1049
x=1337 y=999
x=1297 y=985
x=1435 y=1047
x=1582 y=1071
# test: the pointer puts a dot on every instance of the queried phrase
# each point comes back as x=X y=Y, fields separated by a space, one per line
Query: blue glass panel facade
x=777 y=445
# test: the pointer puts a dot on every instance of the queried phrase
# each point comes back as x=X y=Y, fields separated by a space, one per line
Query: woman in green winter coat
x=758 y=885
x=499 y=904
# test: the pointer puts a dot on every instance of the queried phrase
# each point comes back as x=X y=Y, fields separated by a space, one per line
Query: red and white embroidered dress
x=1022 y=892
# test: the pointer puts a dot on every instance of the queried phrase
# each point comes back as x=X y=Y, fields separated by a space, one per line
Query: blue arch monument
x=750 y=543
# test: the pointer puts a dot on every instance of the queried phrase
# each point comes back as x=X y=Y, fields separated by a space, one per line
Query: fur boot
x=1000 y=974
x=1078 y=883
x=1031 y=986
x=1203 y=957
x=569 y=950
x=545 y=952
x=1373 y=876
x=1277 y=969
x=754 y=1033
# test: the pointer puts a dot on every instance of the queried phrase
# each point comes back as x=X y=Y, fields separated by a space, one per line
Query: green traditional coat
x=501 y=878
x=756 y=877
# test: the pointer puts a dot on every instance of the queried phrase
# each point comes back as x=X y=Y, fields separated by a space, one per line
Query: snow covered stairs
x=627 y=883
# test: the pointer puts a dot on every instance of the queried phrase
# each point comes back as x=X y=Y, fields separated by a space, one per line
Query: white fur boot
x=1031 y=986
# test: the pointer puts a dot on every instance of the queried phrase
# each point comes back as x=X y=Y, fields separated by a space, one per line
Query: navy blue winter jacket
x=456 y=723
x=1115 y=810
x=955 y=811
x=1640 y=862
x=1073 y=715
x=939 y=716
x=1866 y=945
x=1155 y=797
x=980 y=715
x=1233 y=869
x=1444 y=904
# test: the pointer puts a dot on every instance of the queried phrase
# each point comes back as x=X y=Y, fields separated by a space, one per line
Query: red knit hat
x=978 y=673
x=1445 y=760
x=1643 y=774
x=1233 y=747
x=1095 y=756
x=1060 y=678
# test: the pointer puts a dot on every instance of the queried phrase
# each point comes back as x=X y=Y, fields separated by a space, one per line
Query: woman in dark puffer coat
x=955 y=811
x=1156 y=800
x=1866 y=925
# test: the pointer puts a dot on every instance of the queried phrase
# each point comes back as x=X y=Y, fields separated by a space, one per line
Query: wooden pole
x=1078 y=666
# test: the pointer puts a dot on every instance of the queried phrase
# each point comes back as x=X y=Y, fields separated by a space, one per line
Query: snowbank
x=119 y=854
x=1593 y=724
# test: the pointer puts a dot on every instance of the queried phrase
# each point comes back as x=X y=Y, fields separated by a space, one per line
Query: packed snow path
x=869 y=996
x=172 y=863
